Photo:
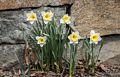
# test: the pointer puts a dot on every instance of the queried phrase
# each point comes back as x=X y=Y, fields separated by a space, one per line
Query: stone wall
x=13 y=22
x=100 y=15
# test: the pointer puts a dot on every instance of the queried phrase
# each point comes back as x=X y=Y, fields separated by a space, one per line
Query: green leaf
x=101 y=45
x=28 y=70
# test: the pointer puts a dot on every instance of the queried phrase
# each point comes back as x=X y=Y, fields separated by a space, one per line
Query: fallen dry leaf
x=80 y=62
x=102 y=66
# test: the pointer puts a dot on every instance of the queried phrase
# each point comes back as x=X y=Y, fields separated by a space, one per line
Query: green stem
x=28 y=70
x=92 y=59
x=70 y=72
x=42 y=58
x=72 y=59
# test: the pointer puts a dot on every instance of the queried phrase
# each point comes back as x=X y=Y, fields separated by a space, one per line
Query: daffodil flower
x=65 y=19
x=94 y=37
x=41 y=40
x=31 y=17
x=74 y=37
x=47 y=16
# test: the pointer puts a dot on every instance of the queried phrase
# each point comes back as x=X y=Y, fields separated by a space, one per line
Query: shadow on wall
x=111 y=38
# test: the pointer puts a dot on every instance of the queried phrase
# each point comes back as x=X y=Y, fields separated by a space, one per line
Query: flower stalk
x=74 y=38
x=91 y=51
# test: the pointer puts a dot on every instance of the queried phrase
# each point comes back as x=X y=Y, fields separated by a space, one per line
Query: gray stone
x=13 y=28
x=113 y=61
x=14 y=25
x=111 y=47
x=9 y=54
x=10 y=32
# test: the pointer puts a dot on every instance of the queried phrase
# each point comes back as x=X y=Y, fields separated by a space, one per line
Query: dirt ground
x=112 y=69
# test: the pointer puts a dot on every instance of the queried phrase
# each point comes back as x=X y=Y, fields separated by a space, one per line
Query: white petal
x=38 y=42
x=41 y=45
x=69 y=37
x=69 y=22
x=96 y=42
x=27 y=19
x=28 y=14
x=61 y=21
x=91 y=42
x=42 y=13
x=37 y=37
x=31 y=22
x=76 y=42
x=79 y=37
x=71 y=42
x=72 y=33
x=100 y=38
x=32 y=12
x=77 y=32
x=92 y=32
x=51 y=14
x=45 y=38
x=46 y=22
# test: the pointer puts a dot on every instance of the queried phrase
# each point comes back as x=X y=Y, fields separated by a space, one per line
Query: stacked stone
x=13 y=22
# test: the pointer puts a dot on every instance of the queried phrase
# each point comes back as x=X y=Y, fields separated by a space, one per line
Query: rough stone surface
x=100 y=15
x=114 y=61
x=13 y=4
x=13 y=28
x=111 y=47
x=9 y=54
x=10 y=32
x=13 y=24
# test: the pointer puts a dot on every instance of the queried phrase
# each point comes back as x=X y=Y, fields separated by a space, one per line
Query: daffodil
x=41 y=40
x=47 y=16
x=94 y=37
x=74 y=37
x=31 y=17
x=65 y=19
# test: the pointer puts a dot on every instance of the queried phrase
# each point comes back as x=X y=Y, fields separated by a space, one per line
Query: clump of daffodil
x=41 y=40
x=74 y=37
x=65 y=19
x=94 y=37
x=91 y=51
x=47 y=16
x=31 y=17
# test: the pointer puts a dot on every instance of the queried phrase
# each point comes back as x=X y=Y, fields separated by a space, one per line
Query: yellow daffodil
x=94 y=37
x=47 y=16
x=41 y=40
x=65 y=19
x=31 y=17
x=74 y=37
